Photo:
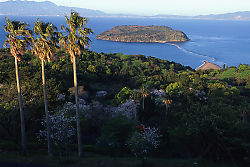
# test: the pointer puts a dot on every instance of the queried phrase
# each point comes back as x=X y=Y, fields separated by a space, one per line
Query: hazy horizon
x=148 y=7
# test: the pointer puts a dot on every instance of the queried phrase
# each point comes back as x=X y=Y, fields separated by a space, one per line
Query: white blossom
x=61 y=126
x=157 y=92
x=201 y=95
x=61 y=97
x=144 y=141
x=127 y=109
x=101 y=93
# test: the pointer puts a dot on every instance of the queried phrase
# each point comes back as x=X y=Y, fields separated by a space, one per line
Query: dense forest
x=208 y=114
x=120 y=105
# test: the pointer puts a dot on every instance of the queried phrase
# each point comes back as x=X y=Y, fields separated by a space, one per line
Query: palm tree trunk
x=135 y=115
x=166 y=109
x=50 y=152
x=79 y=134
x=143 y=101
x=24 y=147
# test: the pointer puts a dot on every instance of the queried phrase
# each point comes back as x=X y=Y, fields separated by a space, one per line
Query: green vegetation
x=199 y=115
x=98 y=160
x=143 y=34
x=208 y=115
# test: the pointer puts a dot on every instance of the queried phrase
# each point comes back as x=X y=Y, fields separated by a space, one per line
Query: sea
x=218 y=41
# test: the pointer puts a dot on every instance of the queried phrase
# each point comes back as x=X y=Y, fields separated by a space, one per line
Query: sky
x=154 y=7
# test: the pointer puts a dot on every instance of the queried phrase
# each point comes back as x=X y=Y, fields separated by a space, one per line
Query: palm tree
x=44 y=46
x=75 y=42
x=144 y=91
x=134 y=97
x=167 y=102
x=18 y=38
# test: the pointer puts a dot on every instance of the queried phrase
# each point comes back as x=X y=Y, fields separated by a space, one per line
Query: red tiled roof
x=207 y=65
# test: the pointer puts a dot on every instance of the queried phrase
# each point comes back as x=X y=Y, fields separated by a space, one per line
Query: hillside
x=194 y=111
x=135 y=33
x=245 y=15
x=242 y=15
x=46 y=8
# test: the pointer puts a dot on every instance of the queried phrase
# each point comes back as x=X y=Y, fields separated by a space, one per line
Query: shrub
x=115 y=133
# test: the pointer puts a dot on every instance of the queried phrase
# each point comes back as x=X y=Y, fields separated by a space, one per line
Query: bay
x=218 y=41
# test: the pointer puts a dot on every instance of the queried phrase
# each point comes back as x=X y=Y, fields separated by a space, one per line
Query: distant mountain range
x=245 y=15
x=46 y=8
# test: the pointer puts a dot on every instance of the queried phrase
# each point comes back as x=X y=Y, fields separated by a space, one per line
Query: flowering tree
x=61 y=127
x=144 y=141
x=127 y=109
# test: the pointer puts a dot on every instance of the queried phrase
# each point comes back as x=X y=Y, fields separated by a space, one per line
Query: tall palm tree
x=134 y=97
x=145 y=92
x=18 y=38
x=45 y=46
x=167 y=102
x=75 y=42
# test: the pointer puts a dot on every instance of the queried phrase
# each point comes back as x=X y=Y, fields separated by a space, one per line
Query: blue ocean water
x=221 y=42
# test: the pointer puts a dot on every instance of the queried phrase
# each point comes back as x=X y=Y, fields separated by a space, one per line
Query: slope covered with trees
x=207 y=110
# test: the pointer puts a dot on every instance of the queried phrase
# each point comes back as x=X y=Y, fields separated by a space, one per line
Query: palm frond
x=77 y=34
x=46 y=43
x=18 y=37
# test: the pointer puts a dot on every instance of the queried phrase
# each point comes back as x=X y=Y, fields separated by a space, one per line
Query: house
x=207 y=65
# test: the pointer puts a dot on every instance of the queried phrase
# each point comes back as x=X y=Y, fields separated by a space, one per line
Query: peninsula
x=135 y=33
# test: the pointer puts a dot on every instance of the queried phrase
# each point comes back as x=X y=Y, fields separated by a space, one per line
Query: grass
x=97 y=160
x=37 y=156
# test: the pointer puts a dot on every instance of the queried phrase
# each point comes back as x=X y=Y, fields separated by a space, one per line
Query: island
x=135 y=33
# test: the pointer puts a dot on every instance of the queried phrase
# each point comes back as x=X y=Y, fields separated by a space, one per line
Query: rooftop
x=207 y=65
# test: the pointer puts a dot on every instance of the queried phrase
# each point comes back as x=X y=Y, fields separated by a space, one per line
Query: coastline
x=163 y=42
